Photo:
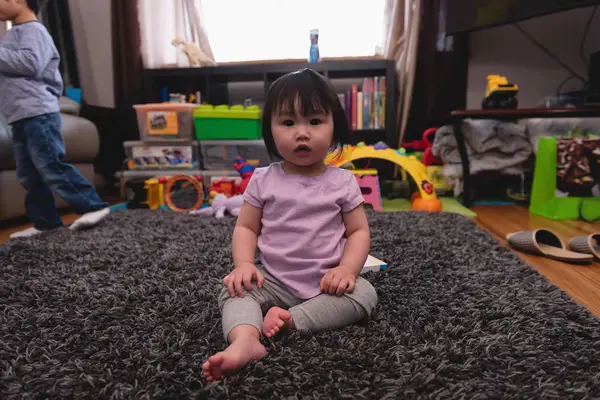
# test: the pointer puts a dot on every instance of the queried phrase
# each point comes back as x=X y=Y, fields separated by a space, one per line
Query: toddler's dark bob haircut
x=312 y=94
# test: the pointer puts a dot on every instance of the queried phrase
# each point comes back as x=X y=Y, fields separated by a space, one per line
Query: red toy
x=228 y=186
x=245 y=170
x=425 y=144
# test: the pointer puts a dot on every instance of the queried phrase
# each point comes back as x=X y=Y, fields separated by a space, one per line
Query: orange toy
x=186 y=180
x=224 y=186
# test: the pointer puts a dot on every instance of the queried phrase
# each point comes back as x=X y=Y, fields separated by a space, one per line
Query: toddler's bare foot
x=275 y=320
x=237 y=355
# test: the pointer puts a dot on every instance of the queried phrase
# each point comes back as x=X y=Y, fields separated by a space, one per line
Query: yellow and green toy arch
x=425 y=201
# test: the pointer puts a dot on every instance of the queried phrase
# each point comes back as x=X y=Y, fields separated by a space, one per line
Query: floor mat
x=129 y=310
x=449 y=204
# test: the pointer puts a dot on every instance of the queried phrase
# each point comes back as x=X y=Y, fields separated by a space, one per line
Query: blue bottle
x=314 y=56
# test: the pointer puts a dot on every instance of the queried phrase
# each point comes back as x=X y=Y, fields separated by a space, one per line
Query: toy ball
x=381 y=146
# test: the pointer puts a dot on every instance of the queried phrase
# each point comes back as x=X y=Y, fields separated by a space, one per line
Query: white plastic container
x=221 y=154
x=162 y=155
x=166 y=120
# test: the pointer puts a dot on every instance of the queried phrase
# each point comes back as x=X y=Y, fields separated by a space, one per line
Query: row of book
x=365 y=108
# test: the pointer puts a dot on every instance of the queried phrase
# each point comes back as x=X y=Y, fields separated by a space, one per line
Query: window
x=240 y=30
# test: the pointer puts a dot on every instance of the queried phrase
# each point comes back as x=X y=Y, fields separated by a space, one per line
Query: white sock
x=25 y=233
x=90 y=219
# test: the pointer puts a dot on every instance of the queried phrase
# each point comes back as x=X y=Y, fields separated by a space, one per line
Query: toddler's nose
x=302 y=134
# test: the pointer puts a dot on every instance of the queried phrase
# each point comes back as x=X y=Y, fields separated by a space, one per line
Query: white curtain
x=241 y=30
x=402 y=24
x=279 y=29
x=161 y=21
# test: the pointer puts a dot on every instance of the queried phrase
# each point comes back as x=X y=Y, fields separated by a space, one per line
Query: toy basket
x=227 y=123
x=165 y=120
x=221 y=154
x=163 y=154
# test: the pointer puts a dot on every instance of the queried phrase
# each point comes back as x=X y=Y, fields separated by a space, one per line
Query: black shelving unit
x=212 y=83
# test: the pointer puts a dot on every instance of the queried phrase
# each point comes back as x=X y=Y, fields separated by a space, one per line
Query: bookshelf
x=214 y=84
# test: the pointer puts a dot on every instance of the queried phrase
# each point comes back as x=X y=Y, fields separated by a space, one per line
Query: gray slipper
x=589 y=244
x=546 y=243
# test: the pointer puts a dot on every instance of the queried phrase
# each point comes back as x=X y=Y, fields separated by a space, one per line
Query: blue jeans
x=39 y=149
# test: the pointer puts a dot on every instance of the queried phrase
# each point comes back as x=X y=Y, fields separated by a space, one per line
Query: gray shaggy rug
x=129 y=310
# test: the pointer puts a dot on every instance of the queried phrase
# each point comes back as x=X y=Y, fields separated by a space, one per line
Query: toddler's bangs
x=302 y=92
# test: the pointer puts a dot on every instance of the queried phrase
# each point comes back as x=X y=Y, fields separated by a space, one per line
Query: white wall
x=93 y=44
x=506 y=51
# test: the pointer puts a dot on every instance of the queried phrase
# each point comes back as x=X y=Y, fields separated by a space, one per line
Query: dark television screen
x=471 y=15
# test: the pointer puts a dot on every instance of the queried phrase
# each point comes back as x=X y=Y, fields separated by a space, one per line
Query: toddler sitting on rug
x=308 y=222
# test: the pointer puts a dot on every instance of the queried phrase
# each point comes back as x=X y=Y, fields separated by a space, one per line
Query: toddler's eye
x=315 y=121
x=288 y=122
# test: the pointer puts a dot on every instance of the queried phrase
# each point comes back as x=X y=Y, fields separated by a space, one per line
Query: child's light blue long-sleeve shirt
x=30 y=81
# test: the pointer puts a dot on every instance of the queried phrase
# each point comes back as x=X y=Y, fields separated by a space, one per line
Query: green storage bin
x=227 y=123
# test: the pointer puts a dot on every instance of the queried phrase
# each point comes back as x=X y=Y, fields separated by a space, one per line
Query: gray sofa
x=82 y=144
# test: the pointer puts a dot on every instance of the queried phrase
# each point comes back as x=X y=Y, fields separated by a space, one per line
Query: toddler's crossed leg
x=249 y=310
x=327 y=311
x=243 y=323
x=321 y=312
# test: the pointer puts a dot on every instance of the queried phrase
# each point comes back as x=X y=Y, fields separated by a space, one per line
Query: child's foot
x=25 y=233
x=234 y=357
x=275 y=320
x=89 y=219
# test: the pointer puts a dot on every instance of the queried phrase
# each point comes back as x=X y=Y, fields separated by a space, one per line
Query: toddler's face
x=9 y=9
x=302 y=140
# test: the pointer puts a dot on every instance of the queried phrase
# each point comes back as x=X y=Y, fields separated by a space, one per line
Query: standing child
x=308 y=222
x=30 y=87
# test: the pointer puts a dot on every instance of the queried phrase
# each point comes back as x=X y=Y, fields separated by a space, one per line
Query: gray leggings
x=324 y=311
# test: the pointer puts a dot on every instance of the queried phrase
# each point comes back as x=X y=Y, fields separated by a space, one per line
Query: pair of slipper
x=544 y=242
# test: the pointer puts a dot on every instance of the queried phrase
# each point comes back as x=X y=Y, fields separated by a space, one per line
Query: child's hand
x=338 y=280
x=243 y=274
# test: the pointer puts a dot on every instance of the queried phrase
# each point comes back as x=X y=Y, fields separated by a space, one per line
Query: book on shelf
x=365 y=108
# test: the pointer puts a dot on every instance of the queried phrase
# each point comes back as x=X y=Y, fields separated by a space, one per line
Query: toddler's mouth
x=302 y=149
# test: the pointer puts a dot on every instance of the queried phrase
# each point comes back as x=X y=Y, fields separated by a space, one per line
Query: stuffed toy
x=221 y=205
x=195 y=55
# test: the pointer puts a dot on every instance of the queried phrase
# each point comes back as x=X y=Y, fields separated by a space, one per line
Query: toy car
x=500 y=93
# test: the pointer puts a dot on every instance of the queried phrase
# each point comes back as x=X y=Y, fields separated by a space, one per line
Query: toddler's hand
x=338 y=280
x=243 y=275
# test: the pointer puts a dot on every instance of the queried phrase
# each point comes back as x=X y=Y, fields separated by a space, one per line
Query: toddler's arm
x=30 y=59
x=244 y=243
x=358 y=244
x=245 y=235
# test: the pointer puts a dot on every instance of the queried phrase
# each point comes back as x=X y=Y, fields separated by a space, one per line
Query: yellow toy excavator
x=500 y=93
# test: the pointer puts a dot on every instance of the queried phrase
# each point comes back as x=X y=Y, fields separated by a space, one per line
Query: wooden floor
x=16 y=226
x=582 y=283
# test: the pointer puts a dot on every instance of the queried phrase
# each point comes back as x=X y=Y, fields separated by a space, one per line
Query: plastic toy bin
x=164 y=154
x=166 y=120
x=227 y=123
x=221 y=154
